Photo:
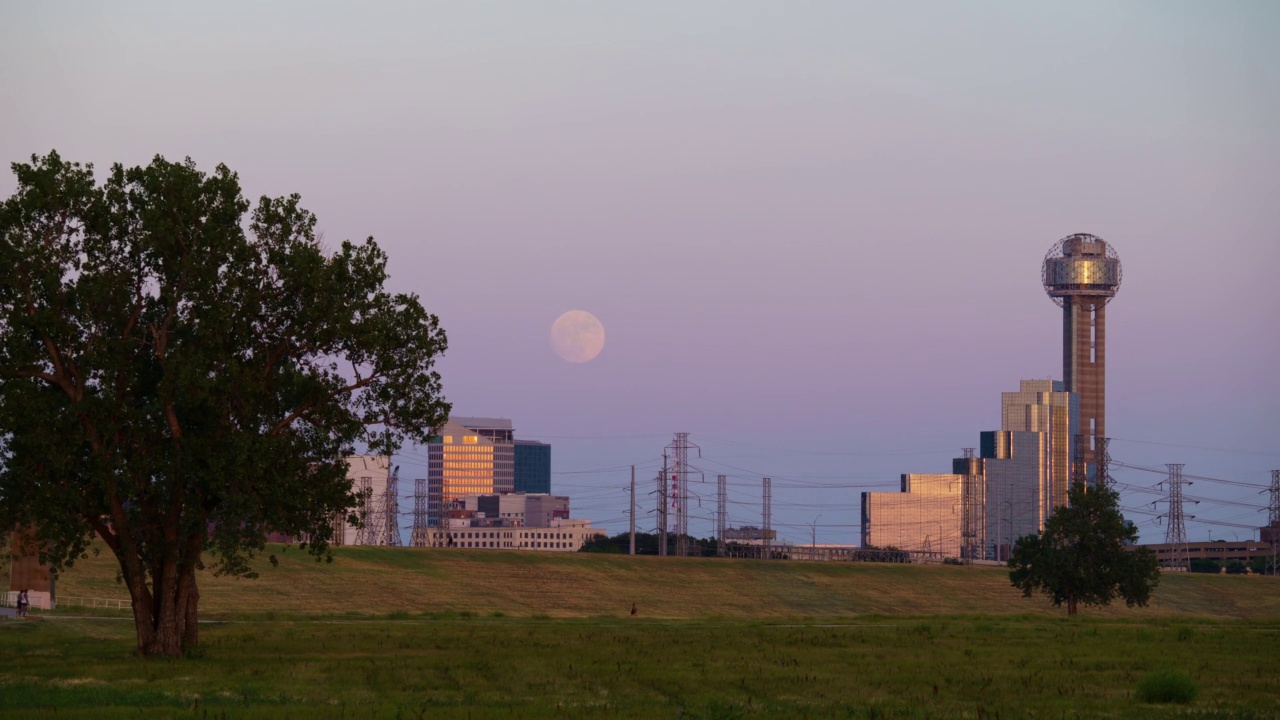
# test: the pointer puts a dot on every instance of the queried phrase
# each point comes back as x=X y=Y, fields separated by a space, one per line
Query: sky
x=812 y=231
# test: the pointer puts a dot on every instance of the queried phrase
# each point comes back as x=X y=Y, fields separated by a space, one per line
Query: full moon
x=577 y=336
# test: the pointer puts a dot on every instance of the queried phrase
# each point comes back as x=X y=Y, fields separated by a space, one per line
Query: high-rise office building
x=460 y=462
x=500 y=435
x=1019 y=477
x=532 y=466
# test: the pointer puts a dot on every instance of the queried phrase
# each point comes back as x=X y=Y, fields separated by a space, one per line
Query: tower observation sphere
x=1083 y=266
x=1081 y=273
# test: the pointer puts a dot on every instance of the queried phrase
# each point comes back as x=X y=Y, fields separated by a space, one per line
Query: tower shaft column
x=1084 y=369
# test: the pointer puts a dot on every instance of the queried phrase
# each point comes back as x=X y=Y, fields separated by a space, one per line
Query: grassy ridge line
x=386 y=580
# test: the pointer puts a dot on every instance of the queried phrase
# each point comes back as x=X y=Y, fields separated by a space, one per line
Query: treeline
x=1257 y=566
x=648 y=544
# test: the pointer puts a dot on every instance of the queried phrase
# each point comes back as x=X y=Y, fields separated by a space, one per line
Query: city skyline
x=812 y=235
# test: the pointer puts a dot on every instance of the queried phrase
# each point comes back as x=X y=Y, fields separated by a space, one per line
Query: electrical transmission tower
x=1176 y=532
x=1104 y=463
x=766 y=519
x=681 y=475
x=421 y=529
x=722 y=500
x=973 y=502
x=662 y=508
x=391 y=506
x=1079 y=468
x=368 y=514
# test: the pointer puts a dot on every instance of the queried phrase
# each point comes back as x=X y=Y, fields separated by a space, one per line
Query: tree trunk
x=164 y=613
x=191 y=631
x=1071 y=603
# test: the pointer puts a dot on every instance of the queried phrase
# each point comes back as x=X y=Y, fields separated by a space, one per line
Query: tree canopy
x=1081 y=557
x=181 y=375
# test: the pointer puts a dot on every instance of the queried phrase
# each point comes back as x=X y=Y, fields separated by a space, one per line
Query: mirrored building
x=1021 y=474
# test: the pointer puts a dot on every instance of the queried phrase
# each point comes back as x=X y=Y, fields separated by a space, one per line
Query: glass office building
x=1020 y=476
x=460 y=462
x=532 y=467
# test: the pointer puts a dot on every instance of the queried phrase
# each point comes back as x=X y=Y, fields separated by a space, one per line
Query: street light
x=813 y=537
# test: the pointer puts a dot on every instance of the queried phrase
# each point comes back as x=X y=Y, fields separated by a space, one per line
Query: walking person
x=23 y=602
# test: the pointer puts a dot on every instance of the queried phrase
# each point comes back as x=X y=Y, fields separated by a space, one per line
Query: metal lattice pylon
x=367 y=514
x=391 y=508
x=973 y=502
x=421 y=528
x=1273 y=514
x=1104 y=463
x=1176 y=532
x=682 y=474
x=1079 y=468
x=722 y=501
x=662 y=508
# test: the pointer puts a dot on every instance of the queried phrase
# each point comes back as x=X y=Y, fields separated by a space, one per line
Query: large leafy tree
x=1081 y=556
x=180 y=375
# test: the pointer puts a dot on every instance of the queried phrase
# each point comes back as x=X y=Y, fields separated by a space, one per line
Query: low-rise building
x=563 y=535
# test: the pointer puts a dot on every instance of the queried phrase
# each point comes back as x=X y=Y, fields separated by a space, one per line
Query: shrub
x=1167 y=686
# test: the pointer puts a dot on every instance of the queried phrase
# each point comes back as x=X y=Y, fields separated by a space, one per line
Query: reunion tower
x=1081 y=273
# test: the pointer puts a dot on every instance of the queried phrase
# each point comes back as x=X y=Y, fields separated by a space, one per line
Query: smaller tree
x=1081 y=557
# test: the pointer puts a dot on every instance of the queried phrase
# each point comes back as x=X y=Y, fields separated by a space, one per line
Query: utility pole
x=767 y=519
x=1273 y=519
x=813 y=538
x=721 y=501
x=633 y=510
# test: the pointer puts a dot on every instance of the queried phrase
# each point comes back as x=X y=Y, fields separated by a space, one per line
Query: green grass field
x=379 y=581
x=388 y=633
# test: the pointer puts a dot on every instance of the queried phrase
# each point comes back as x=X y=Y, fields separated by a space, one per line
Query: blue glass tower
x=533 y=467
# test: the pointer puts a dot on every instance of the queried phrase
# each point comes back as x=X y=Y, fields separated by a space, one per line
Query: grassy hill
x=408 y=580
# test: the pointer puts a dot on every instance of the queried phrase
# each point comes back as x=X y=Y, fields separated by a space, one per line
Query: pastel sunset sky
x=812 y=230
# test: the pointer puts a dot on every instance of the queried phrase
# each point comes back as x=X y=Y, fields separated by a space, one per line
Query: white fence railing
x=40 y=601
x=112 y=603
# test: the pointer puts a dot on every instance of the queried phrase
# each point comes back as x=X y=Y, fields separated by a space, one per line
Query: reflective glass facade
x=925 y=517
x=460 y=462
x=532 y=467
x=1020 y=476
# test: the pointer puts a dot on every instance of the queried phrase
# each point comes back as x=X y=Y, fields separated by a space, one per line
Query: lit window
x=470 y=439
x=448 y=439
